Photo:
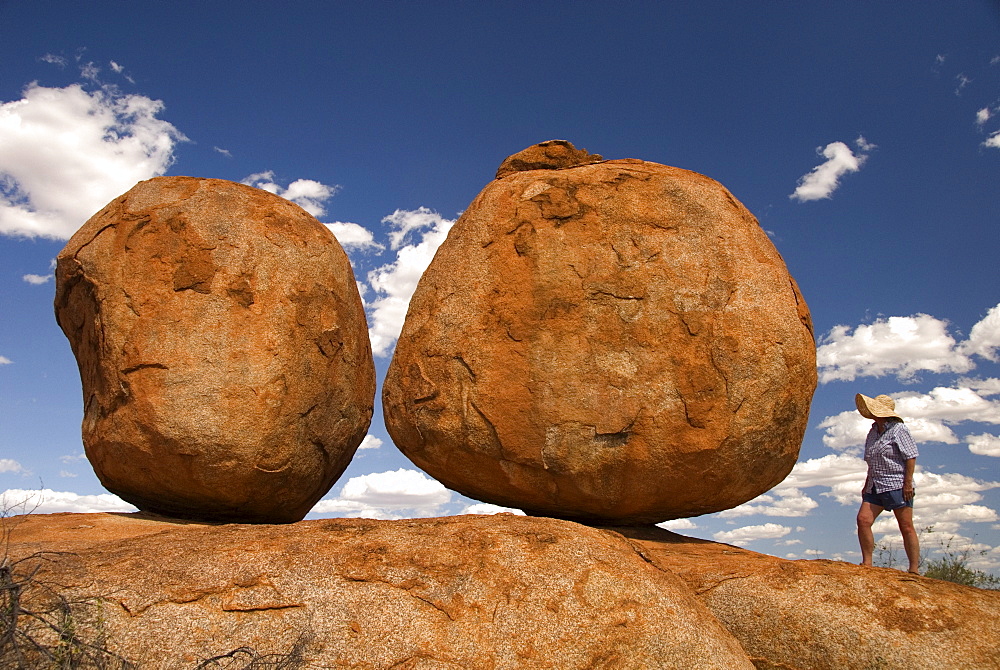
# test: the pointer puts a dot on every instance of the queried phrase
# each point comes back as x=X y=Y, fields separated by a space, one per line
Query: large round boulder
x=604 y=341
x=223 y=349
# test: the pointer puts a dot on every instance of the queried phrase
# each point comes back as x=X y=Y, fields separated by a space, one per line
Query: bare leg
x=866 y=517
x=911 y=541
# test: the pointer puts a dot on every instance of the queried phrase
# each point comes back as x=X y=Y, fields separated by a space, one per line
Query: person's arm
x=908 y=491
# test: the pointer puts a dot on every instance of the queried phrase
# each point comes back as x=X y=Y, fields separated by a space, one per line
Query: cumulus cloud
x=489 y=508
x=370 y=442
x=415 y=236
x=354 y=236
x=678 y=524
x=37 y=280
x=929 y=416
x=983 y=115
x=10 y=465
x=747 y=534
x=984 y=387
x=784 y=501
x=842 y=474
x=944 y=501
x=984 y=444
x=66 y=152
x=5 y=361
x=984 y=338
x=993 y=140
x=845 y=430
x=387 y=495
x=308 y=194
x=311 y=196
x=899 y=345
x=824 y=179
x=47 y=501
x=950 y=404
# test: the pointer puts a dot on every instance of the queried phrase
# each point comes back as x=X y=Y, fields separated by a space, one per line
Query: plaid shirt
x=886 y=456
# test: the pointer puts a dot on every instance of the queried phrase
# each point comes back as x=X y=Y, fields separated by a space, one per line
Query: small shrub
x=953 y=566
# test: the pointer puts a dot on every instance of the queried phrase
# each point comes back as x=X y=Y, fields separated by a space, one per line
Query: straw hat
x=881 y=407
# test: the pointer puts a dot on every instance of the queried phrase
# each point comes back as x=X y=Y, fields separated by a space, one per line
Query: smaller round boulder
x=223 y=350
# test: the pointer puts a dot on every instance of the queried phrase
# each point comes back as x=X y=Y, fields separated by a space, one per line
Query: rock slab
x=223 y=350
x=473 y=592
x=606 y=341
x=827 y=615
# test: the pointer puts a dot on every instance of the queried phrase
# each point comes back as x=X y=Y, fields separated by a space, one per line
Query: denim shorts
x=889 y=500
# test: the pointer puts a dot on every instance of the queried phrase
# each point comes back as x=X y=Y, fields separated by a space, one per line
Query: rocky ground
x=485 y=592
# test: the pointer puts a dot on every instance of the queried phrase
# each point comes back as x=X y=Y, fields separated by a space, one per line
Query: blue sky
x=864 y=138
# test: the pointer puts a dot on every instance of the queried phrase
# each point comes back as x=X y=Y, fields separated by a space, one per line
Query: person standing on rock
x=891 y=455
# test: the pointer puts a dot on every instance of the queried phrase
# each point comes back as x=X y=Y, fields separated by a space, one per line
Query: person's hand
x=908 y=491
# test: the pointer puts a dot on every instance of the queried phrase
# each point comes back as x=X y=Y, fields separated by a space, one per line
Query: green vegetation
x=951 y=566
x=44 y=627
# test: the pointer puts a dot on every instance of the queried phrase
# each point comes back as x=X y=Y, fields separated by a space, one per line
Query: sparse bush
x=246 y=658
x=43 y=627
x=953 y=566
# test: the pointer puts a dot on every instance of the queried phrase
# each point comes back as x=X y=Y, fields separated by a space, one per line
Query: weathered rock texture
x=821 y=614
x=486 y=593
x=604 y=341
x=223 y=349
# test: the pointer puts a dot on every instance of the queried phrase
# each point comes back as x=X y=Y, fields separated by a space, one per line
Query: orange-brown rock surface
x=223 y=350
x=615 y=340
x=488 y=593
x=827 y=615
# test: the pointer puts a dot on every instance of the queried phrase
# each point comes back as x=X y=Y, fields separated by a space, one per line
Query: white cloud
x=353 y=236
x=66 y=152
x=225 y=152
x=824 y=179
x=984 y=338
x=489 y=508
x=993 y=140
x=37 y=280
x=845 y=430
x=983 y=115
x=67 y=473
x=949 y=404
x=963 y=81
x=899 y=345
x=387 y=495
x=864 y=144
x=784 y=501
x=678 y=524
x=747 y=534
x=53 y=59
x=395 y=282
x=5 y=361
x=944 y=501
x=47 y=501
x=306 y=193
x=10 y=465
x=984 y=444
x=370 y=442
x=928 y=415
x=984 y=387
